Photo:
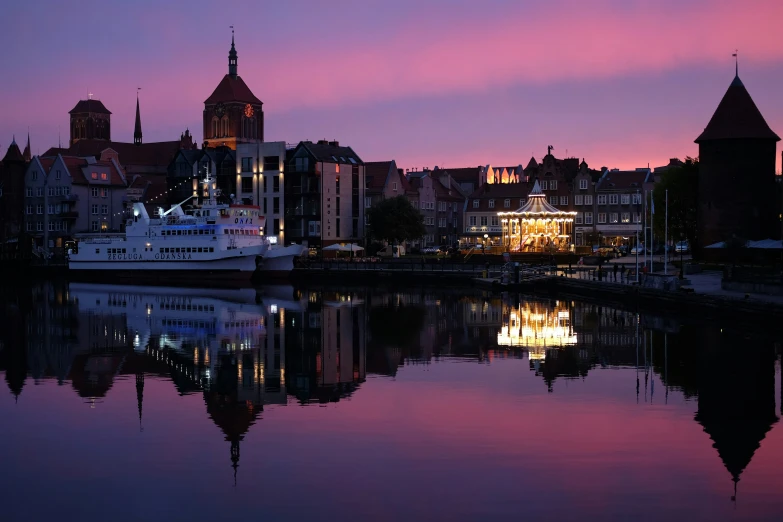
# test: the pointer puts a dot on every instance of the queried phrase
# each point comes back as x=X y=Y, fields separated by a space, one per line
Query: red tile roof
x=232 y=89
x=624 y=179
x=737 y=117
x=90 y=106
x=375 y=173
x=159 y=153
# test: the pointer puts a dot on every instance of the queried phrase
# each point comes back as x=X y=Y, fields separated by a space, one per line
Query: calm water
x=291 y=404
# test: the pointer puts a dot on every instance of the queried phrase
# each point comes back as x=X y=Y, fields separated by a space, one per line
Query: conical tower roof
x=737 y=117
x=537 y=206
x=13 y=153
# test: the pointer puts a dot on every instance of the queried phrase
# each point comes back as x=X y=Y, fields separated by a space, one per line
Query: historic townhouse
x=65 y=196
x=619 y=205
x=482 y=224
x=424 y=185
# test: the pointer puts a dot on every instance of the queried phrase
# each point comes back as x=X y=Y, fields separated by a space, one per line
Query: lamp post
x=484 y=244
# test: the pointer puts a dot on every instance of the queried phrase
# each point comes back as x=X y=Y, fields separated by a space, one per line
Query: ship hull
x=278 y=262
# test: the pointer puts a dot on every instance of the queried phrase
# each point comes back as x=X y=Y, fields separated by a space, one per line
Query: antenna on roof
x=736 y=62
x=89 y=95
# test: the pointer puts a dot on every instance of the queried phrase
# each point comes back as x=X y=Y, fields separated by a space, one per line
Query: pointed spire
x=235 y=457
x=26 y=154
x=137 y=129
x=536 y=190
x=140 y=394
x=232 y=57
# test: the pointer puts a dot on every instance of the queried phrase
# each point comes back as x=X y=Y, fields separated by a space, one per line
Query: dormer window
x=94 y=175
x=507 y=203
x=491 y=203
x=475 y=203
x=582 y=184
x=104 y=176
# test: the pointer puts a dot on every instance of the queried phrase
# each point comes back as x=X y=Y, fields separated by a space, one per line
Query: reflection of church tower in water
x=736 y=396
x=234 y=397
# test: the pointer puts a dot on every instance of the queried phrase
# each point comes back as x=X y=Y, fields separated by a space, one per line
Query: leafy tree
x=395 y=220
x=683 y=185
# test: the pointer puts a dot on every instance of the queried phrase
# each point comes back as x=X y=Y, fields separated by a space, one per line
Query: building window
x=494 y=221
x=553 y=200
x=29 y=209
x=95 y=210
x=637 y=217
x=507 y=203
x=50 y=191
x=579 y=218
x=29 y=227
x=39 y=209
x=35 y=175
x=51 y=226
x=276 y=226
x=582 y=184
x=626 y=217
x=247 y=184
x=475 y=203
x=472 y=221
x=94 y=226
x=264 y=199
x=578 y=200
x=94 y=192
x=367 y=202
x=637 y=199
x=442 y=222
x=613 y=199
x=553 y=184
x=483 y=221
x=563 y=201
x=271 y=163
x=50 y=209
x=588 y=199
x=104 y=176
x=491 y=203
x=602 y=199
x=28 y=192
x=39 y=192
x=415 y=204
x=104 y=192
x=613 y=218
x=314 y=228
x=522 y=202
x=276 y=183
x=275 y=206
x=247 y=164
x=39 y=227
x=544 y=185
x=104 y=226
x=625 y=199
x=601 y=217
x=104 y=209
x=588 y=218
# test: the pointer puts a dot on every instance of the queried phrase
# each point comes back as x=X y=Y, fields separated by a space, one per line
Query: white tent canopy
x=334 y=248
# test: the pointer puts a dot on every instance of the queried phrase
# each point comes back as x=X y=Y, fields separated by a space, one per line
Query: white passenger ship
x=214 y=239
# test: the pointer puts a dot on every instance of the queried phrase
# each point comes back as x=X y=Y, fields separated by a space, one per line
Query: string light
x=156 y=197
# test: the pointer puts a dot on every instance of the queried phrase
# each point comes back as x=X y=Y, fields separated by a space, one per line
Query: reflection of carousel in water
x=547 y=333
x=537 y=226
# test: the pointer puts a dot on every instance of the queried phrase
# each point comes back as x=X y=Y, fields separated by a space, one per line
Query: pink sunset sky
x=454 y=83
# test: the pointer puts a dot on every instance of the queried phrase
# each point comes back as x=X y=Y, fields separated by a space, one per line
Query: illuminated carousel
x=537 y=226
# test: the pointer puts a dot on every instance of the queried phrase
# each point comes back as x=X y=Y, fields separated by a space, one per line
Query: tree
x=395 y=220
x=683 y=185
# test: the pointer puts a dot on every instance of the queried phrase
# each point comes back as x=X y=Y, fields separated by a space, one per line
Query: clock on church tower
x=232 y=113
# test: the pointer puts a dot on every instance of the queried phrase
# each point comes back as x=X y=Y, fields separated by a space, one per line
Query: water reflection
x=247 y=350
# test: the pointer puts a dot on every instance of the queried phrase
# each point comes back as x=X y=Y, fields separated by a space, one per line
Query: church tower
x=232 y=113
x=90 y=120
x=737 y=187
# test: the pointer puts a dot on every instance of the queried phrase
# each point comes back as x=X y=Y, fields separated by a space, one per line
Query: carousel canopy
x=537 y=207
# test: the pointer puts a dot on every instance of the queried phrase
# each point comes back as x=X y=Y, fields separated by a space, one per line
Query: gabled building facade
x=12 y=186
x=65 y=196
x=619 y=205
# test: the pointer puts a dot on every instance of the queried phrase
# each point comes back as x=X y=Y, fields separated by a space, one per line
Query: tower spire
x=140 y=394
x=26 y=154
x=736 y=63
x=232 y=57
x=137 y=130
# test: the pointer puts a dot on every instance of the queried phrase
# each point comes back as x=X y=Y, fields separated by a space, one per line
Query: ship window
x=211 y=249
x=161 y=250
x=97 y=250
x=225 y=231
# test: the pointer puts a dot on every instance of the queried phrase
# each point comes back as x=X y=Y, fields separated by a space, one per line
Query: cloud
x=567 y=42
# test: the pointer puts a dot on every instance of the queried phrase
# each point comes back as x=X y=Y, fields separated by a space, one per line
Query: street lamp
x=484 y=244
